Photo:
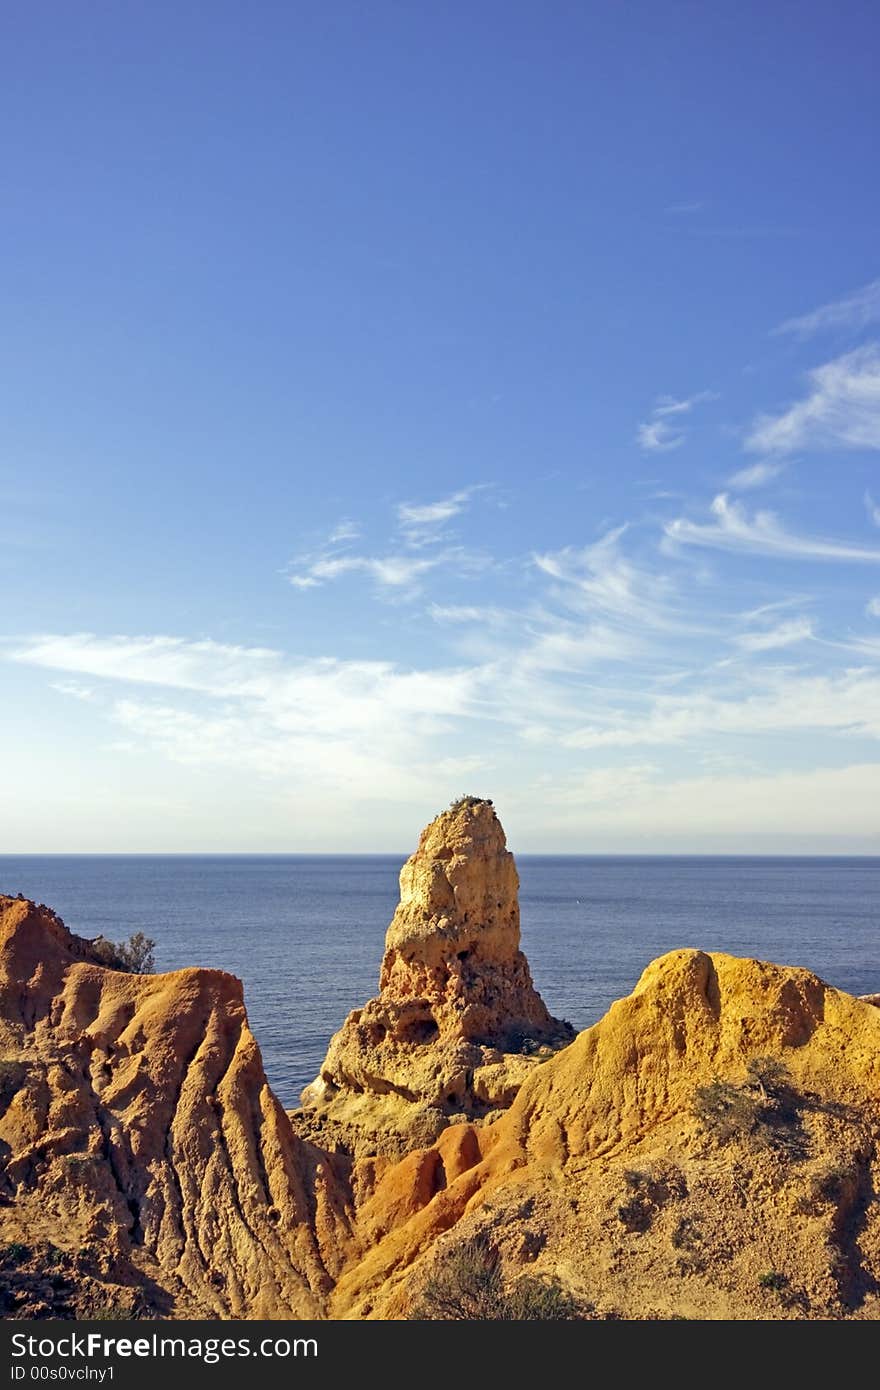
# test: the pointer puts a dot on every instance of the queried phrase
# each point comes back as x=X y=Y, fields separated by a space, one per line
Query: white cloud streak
x=762 y=534
x=420 y=526
x=873 y=509
x=423 y=522
x=845 y=704
x=754 y=615
x=600 y=580
x=389 y=571
x=368 y=723
x=841 y=411
x=854 y=311
x=756 y=475
x=783 y=635
x=670 y=405
x=75 y=689
x=658 y=437
x=468 y=613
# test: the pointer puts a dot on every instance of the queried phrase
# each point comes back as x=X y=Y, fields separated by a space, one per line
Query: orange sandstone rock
x=140 y=1124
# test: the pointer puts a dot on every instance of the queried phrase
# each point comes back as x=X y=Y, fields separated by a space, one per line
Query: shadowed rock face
x=458 y=1023
x=136 y=1122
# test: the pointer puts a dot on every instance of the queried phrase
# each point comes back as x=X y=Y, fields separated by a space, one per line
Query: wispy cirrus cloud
x=423 y=522
x=659 y=437
x=338 y=762
x=671 y=405
x=389 y=571
x=847 y=704
x=75 y=689
x=764 y=610
x=342 y=699
x=660 y=434
x=853 y=311
x=873 y=607
x=601 y=580
x=455 y=613
x=785 y=634
x=398 y=570
x=841 y=411
x=344 y=531
x=756 y=475
x=761 y=534
x=637 y=639
x=345 y=721
x=150 y=660
x=873 y=509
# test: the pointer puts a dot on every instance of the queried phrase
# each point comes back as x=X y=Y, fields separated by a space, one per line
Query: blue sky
x=401 y=401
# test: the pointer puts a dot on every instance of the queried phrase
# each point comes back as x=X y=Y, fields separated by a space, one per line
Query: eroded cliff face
x=458 y=1024
x=140 y=1139
x=708 y=1150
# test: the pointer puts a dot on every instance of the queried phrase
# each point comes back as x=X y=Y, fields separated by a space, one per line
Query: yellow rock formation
x=458 y=1024
x=707 y=1150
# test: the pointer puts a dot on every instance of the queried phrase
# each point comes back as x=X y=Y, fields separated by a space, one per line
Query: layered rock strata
x=458 y=1024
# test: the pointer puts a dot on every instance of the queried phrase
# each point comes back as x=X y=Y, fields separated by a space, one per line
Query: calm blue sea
x=305 y=933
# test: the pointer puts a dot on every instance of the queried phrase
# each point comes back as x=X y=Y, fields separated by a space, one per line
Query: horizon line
x=394 y=854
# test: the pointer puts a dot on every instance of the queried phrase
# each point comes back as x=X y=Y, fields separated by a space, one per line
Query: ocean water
x=305 y=934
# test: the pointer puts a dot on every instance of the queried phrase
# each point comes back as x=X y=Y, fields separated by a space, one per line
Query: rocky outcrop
x=458 y=1024
x=709 y=1149
x=139 y=1137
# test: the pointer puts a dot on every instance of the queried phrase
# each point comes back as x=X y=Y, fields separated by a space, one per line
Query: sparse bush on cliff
x=649 y=1189
x=113 y=1312
x=763 y=1111
x=459 y=803
x=136 y=955
x=468 y=1286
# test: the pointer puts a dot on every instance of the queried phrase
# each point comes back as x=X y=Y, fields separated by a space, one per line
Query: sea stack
x=458 y=1024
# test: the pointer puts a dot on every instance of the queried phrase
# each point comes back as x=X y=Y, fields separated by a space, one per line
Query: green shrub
x=459 y=803
x=537 y=1299
x=727 y=1111
x=112 y=1312
x=763 y=1111
x=773 y=1280
x=468 y=1286
x=136 y=955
